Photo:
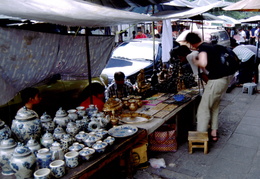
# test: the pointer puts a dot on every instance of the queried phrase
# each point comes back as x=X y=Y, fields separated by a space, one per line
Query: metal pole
x=153 y=40
x=88 y=61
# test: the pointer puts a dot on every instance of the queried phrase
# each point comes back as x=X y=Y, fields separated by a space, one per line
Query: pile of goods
x=36 y=146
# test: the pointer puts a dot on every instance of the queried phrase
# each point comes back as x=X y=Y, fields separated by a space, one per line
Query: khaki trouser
x=209 y=105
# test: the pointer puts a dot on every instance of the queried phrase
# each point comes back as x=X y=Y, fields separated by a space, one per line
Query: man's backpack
x=229 y=59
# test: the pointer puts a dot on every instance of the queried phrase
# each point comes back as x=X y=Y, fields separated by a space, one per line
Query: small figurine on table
x=142 y=85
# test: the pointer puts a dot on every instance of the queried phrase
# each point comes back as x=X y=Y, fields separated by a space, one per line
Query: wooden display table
x=87 y=168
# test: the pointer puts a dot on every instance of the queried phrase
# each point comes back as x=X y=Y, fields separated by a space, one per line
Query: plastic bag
x=157 y=163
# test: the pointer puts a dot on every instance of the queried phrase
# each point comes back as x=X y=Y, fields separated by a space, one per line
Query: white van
x=208 y=35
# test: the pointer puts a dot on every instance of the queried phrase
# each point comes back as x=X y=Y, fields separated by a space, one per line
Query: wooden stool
x=198 y=137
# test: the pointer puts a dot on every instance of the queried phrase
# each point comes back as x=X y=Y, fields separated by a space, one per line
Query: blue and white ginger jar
x=5 y=131
x=26 y=125
x=47 y=123
x=47 y=139
x=23 y=162
x=7 y=147
x=33 y=145
x=61 y=118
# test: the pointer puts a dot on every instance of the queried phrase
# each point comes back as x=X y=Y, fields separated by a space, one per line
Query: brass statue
x=142 y=85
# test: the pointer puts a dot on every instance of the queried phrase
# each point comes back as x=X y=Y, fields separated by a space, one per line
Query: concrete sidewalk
x=236 y=155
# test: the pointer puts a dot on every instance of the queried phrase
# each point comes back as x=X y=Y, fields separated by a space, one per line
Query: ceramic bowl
x=86 y=153
x=109 y=140
x=100 y=146
x=81 y=135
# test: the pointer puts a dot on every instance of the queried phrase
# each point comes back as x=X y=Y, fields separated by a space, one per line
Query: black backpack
x=228 y=58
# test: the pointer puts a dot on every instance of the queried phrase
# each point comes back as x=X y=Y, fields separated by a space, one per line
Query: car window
x=135 y=50
x=223 y=35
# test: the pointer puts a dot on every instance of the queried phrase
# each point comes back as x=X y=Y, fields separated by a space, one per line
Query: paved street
x=235 y=156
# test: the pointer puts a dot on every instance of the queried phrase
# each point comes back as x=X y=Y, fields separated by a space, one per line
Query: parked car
x=132 y=56
x=208 y=35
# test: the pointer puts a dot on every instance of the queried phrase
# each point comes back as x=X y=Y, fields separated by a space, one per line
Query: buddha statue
x=142 y=85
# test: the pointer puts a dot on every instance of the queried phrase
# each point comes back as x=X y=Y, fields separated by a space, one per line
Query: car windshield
x=138 y=50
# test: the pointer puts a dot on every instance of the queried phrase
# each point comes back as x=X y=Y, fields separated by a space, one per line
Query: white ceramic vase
x=22 y=162
x=7 y=147
x=26 y=125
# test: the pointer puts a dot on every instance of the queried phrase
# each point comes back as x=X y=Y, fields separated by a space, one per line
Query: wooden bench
x=198 y=140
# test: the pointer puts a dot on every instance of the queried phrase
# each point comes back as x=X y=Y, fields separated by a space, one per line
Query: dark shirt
x=214 y=65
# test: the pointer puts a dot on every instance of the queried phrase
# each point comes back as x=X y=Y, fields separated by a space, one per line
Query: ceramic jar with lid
x=47 y=123
x=76 y=147
x=66 y=142
x=22 y=162
x=72 y=114
x=81 y=136
x=47 y=139
x=7 y=147
x=91 y=110
x=100 y=146
x=26 y=125
x=101 y=132
x=5 y=131
x=72 y=128
x=33 y=145
x=58 y=133
x=86 y=153
x=81 y=111
x=61 y=118
x=109 y=140
x=91 y=139
x=56 y=151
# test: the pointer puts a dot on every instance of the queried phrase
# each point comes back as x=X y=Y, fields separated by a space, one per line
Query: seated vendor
x=119 y=88
x=96 y=92
x=30 y=97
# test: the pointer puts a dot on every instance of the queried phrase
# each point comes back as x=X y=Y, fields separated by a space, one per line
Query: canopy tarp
x=208 y=2
x=229 y=21
x=254 y=19
x=190 y=13
x=181 y=3
x=28 y=57
x=244 y=5
x=70 y=12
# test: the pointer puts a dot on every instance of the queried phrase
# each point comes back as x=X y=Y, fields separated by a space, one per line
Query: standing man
x=119 y=88
x=218 y=80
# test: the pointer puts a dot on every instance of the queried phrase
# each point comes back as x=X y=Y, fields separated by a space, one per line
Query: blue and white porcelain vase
x=47 y=139
x=43 y=158
x=73 y=116
x=26 y=125
x=23 y=162
x=61 y=118
x=47 y=123
x=33 y=145
x=5 y=131
x=72 y=128
x=7 y=147
x=58 y=133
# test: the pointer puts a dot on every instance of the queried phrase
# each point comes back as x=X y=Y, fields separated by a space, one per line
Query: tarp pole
x=88 y=61
x=153 y=40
